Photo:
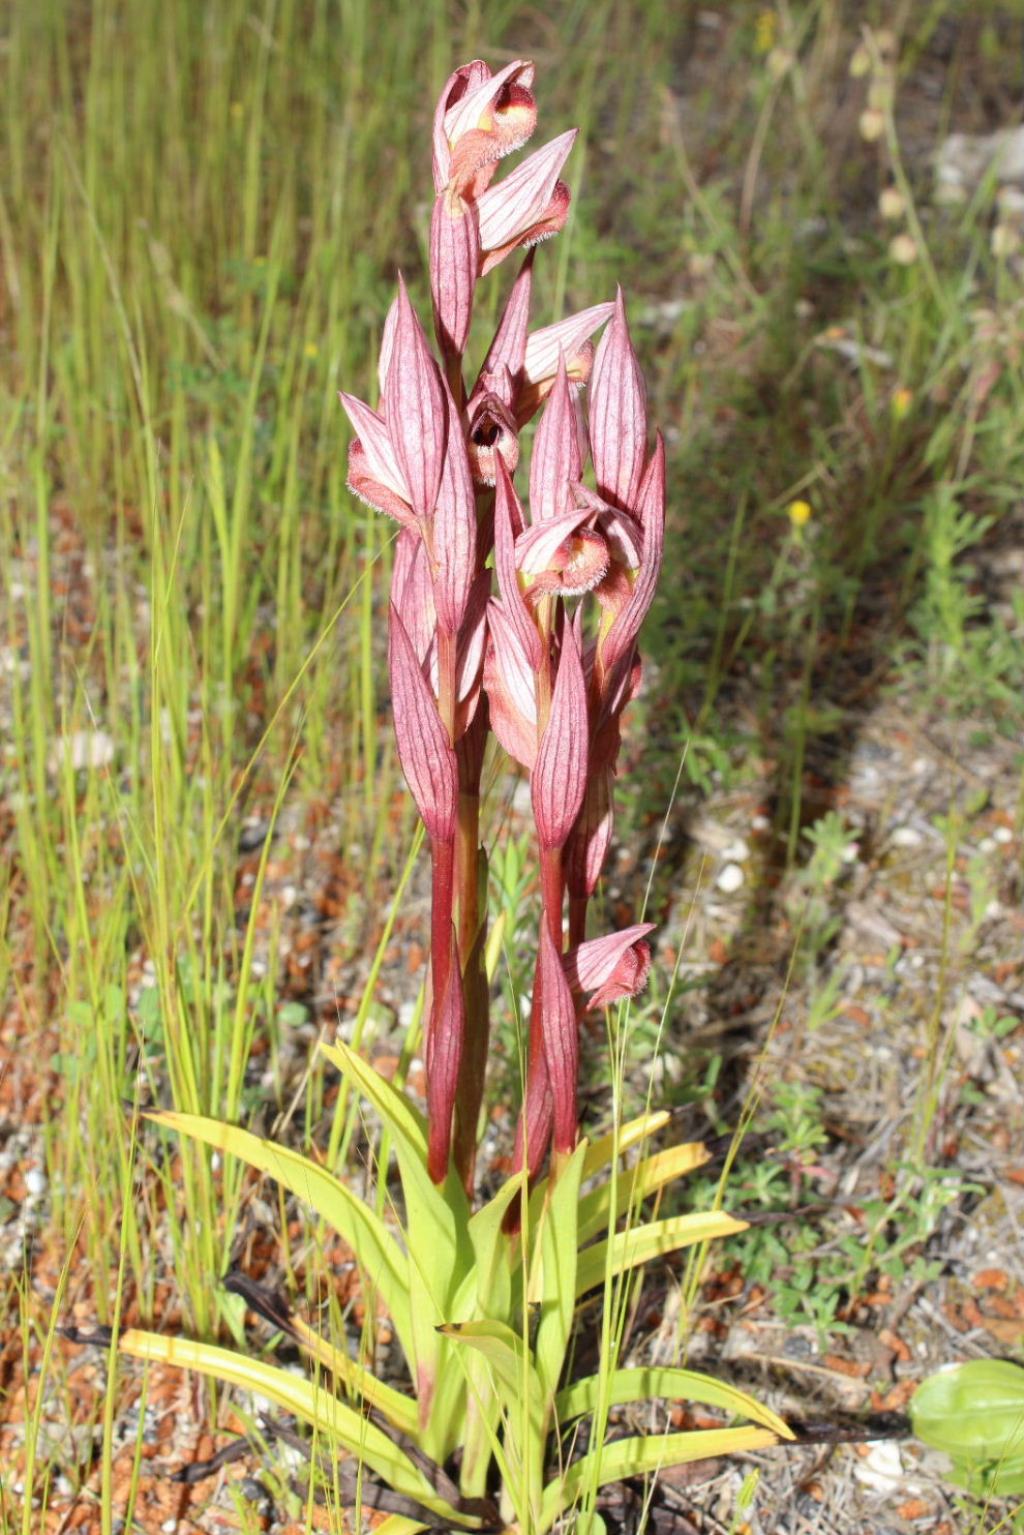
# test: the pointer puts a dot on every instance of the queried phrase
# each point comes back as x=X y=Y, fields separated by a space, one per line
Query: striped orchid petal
x=556 y=462
x=610 y=968
x=414 y=409
x=378 y=454
x=412 y=592
x=560 y=1034
x=618 y=414
x=526 y=205
x=454 y=527
x=387 y=345
x=363 y=484
x=509 y=683
x=559 y=778
x=508 y=522
x=651 y=512
x=508 y=348
x=566 y=338
x=424 y=749
x=454 y=263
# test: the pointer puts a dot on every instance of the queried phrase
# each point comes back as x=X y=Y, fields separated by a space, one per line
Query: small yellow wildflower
x=800 y=513
x=901 y=402
x=236 y=110
x=311 y=350
x=765 y=30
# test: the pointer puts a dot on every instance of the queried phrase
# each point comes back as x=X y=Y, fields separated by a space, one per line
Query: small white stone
x=881 y=1469
x=987 y=845
x=1003 y=835
x=35 y=1182
x=906 y=836
x=736 y=852
x=82 y=749
x=760 y=823
x=730 y=879
x=169 y=1526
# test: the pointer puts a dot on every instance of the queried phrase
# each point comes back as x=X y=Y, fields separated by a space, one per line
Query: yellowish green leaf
x=635 y=1184
x=333 y=1419
x=643 y=1457
x=641 y=1243
x=673 y=1384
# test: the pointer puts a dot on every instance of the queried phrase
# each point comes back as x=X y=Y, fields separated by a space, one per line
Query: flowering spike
x=559 y=779
x=651 y=512
x=527 y=205
x=508 y=521
x=443 y=1057
x=618 y=413
x=556 y=453
x=454 y=262
x=454 y=527
x=424 y=749
x=560 y=1034
x=414 y=409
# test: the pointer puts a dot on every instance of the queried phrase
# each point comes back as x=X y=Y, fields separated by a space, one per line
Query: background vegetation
x=207 y=847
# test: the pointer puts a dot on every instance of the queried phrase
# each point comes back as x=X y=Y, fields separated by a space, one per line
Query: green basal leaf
x=631 y=1248
x=375 y=1248
x=636 y=1184
x=397 y=1524
x=360 y=1384
x=509 y=1359
x=639 y=1385
x=974 y=1412
x=642 y=1457
x=492 y=1275
x=334 y=1420
x=440 y=1250
x=554 y=1287
x=602 y=1152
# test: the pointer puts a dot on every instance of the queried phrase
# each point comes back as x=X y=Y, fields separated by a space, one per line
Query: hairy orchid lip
x=578 y=566
x=492 y=435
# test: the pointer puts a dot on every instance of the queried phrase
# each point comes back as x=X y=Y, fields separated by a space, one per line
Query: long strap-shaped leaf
x=639 y=1457
x=675 y=1384
x=440 y=1250
x=358 y=1382
x=332 y=1418
x=376 y=1249
x=635 y=1184
x=630 y=1248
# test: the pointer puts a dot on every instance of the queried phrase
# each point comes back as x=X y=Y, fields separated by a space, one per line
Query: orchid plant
x=549 y=662
x=486 y=1433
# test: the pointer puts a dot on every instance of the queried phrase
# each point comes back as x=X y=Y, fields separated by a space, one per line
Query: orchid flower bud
x=454 y=528
x=622 y=635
